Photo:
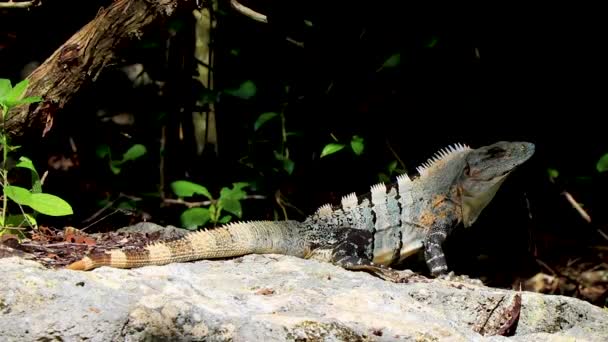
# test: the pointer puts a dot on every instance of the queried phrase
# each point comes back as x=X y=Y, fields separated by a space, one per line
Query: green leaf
x=18 y=194
x=5 y=88
x=194 y=217
x=262 y=119
x=392 y=61
x=31 y=219
x=245 y=91
x=224 y=219
x=26 y=163
x=18 y=90
x=183 y=188
x=602 y=164
x=103 y=150
x=134 y=152
x=383 y=178
x=29 y=99
x=230 y=198
x=433 y=42
x=115 y=167
x=553 y=173
x=331 y=148
x=231 y=205
x=214 y=212
x=50 y=205
x=19 y=220
x=235 y=194
x=392 y=166
x=288 y=166
x=357 y=145
x=240 y=185
x=127 y=205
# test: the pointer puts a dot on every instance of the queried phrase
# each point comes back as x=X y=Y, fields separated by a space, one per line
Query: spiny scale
x=442 y=154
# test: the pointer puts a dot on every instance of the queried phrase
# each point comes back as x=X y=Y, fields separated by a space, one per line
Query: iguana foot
x=460 y=279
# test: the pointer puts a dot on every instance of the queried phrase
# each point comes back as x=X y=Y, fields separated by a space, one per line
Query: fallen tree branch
x=21 y=4
x=84 y=56
x=246 y=11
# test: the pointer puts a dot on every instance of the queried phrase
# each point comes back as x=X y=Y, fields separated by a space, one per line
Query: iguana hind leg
x=353 y=252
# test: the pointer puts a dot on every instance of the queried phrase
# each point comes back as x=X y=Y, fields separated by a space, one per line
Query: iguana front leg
x=433 y=250
x=353 y=252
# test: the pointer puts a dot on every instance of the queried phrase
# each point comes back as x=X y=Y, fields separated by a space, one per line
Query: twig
x=161 y=164
x=259 y=17
x=601 y=232
x=98 y=212
x=543 y=264
x=59 y=244
x=203 y=203
x=246 y=11
x=186 y=203
x=101 y=219
x=388 y=144
x=577 y=206
x=21 y=4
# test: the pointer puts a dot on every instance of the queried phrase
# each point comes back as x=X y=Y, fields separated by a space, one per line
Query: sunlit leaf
x=18 y=90
x=245 y=91
x=602 y=164
x=183 y=188
x=194 y=217
x=357 y=145
x=224 y=219
x=553 y=173
x=392 y=61
x=232 y=206
x=331 y=148
x=115 y=167
x=5 y=88
x=18 y=194
x=262 y=119
x=26 y=163
x=288 y=166
x=50 y=205
x=235 y=193
x=134 y=152
x=20 y=220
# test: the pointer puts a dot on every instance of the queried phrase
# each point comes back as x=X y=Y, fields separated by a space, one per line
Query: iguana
x=369 y=232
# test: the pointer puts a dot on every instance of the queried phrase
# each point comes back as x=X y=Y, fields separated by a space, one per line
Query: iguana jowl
x=366 y=232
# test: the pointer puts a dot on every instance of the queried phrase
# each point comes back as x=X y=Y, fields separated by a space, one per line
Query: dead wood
x=84 y=56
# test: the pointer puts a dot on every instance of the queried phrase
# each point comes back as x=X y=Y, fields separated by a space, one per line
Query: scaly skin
x=368 y=232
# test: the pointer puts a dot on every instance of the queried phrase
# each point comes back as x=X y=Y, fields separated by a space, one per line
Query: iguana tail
x=236 y=239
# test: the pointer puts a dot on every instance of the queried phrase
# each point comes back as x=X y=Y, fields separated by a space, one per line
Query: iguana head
x=485 y=170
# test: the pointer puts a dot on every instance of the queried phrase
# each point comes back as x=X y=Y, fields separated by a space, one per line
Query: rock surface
x=266 y=298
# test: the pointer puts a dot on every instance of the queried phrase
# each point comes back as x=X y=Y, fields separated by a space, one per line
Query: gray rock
x=266 y=298
x=165 y=232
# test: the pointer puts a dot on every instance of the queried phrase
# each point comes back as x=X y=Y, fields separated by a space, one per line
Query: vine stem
x=3 y=169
